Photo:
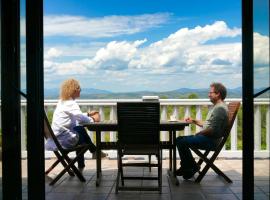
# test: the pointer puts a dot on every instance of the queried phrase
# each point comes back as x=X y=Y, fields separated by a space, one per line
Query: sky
x=157 y=45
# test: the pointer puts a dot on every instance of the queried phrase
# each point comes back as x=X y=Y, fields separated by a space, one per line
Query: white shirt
x=66 y=116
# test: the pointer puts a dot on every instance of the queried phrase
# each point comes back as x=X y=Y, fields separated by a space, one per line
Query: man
x=212 y=131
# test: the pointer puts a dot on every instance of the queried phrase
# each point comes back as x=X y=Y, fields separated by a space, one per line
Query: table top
x=111 y=125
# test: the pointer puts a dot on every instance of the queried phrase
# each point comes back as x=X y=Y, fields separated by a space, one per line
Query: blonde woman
x=67 y=118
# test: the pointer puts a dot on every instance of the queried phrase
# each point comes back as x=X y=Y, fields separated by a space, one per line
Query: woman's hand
x=94 y=115
x=91 y=113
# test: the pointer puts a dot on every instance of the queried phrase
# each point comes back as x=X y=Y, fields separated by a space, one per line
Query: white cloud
x=198 y=52
x=108 y=26
x=116 y=55
x=52 y=53
x=82 y=49
x=261 y=49
x=183 y=51
x=186 y=50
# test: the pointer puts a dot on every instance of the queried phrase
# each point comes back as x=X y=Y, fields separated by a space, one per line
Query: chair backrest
x=138 y=123
x=48 y=132
x=233 y=108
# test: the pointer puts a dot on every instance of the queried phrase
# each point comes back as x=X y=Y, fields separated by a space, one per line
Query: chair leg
x=220 y=173
x=118 y=174
x=70 y=165
x=149 y=158
x=117 y=181
x=209 y=163
x=206 y=167
x=121 y=171
x=52 y=167
x=73 y=167
x=201 y=160
x=160 y=173
x=202 y=174
x=63 y=162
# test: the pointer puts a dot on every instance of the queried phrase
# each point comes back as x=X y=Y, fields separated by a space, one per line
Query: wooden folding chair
x=209 y=161
x=138 y=134
x=62 y=155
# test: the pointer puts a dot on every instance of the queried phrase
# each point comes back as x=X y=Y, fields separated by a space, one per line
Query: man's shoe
x=81 y=166
x=81 y=169
x=103 y=155
x=180 y=172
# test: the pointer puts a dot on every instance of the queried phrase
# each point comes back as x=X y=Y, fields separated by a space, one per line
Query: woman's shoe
x=103 y=155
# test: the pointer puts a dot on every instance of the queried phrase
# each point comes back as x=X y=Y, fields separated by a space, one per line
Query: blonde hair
x=68 y=88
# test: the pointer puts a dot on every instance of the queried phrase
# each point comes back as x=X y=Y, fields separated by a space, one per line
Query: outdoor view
x=122 y=50
x=126 y=49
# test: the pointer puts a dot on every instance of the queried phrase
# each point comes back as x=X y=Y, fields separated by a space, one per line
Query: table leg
x=174 y=158
x=171 y=171
x=170 y=151
x=98 y=158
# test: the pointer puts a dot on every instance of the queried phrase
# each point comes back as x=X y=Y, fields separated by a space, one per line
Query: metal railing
x=179 y=108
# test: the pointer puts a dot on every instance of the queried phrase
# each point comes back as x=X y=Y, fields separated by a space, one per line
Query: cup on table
x=173 y=118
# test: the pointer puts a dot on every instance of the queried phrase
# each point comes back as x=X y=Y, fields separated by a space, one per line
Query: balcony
x=211 y=187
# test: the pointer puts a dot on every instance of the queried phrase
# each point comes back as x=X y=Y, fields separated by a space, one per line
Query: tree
x=193 y=96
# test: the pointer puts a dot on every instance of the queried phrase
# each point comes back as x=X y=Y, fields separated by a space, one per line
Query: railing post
x=164 y=134
x=1 y=117
x=90 y=133
x=268 y=128
x=257 y=127
x=113 y=117
x=234 y=135
x=23 y=122
x=175 y=112
x=187 y=114
x=101 y=112
x=84 y=108
x=199 y=117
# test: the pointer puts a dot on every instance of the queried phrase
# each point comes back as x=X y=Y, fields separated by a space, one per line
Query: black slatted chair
x=62 y=155
x=138 y=134
x=233 y=108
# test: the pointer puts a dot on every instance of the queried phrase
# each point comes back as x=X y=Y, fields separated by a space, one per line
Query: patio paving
x=211 y=187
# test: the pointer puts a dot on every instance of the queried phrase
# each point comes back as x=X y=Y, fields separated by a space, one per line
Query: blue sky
x=158 y=45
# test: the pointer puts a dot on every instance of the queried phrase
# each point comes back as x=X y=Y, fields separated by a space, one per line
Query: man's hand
x=206 y=132
x=194 y=121
x=189 y=120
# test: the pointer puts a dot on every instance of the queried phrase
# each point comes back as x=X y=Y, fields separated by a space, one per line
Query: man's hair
x=68 y=88
x=220 y=88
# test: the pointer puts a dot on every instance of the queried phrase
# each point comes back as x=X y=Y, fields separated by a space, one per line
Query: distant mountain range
x=91 y=93
x=53 y=93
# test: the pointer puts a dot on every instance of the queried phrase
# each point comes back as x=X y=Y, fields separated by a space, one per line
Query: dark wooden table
x=110 y=125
